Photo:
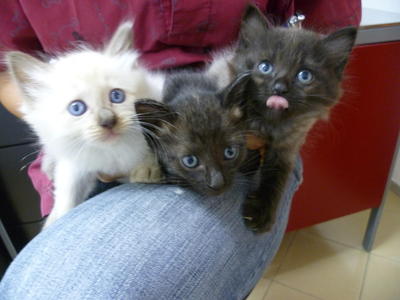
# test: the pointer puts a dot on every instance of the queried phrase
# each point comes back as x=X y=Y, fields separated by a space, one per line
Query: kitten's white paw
x=149 y=172
x=51 y=218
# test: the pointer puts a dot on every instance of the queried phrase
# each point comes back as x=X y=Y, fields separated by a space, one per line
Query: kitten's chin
x=275 y=108
x=273 y=114
x=213 y=192
x=110 y=137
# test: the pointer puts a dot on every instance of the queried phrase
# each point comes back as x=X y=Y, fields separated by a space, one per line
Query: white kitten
x=81 y=106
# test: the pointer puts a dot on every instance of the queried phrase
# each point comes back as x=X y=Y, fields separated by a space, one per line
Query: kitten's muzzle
x=216 y=182
x=280 y=88
x=107 y=119
x=109 y=123
x=277 y=100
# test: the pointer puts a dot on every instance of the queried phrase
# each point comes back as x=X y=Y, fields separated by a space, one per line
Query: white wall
x=389 y=5
x=380 y=12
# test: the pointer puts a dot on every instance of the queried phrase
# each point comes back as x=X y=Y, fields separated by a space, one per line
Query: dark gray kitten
x=199 y=131
x=296 y=76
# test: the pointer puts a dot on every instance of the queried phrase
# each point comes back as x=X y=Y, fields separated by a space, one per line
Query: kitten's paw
x=51 y=218
x=147 y=173
x=256 y=217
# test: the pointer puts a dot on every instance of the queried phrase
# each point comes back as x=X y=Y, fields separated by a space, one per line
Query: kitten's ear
x=254 y=26
x=339 y=45
x=24 y=69
x=233 y=96
x=121 y=41
x=154 y=115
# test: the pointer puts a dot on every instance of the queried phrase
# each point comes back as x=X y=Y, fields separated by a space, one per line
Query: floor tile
x=322 y=268
x=348 y=230
x=387 y=241
x=382 y=279
x=278 y=291
x=278 y=259
x=260 y=290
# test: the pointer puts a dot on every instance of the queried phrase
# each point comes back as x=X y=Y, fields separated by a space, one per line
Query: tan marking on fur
x=236 y=113
x=254 y=142
x=109 y=178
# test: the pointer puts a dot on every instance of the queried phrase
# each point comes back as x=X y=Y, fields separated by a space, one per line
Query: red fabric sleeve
x=327 y=15
x=279 y=11
x=168 y=33
x=16 y=33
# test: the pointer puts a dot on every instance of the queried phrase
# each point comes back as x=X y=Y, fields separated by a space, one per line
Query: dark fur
x=289 y=50
x=202 y=121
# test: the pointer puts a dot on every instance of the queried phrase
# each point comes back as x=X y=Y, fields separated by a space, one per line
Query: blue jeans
x=140 y=241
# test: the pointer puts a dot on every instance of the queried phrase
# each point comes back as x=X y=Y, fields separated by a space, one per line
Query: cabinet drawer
x=21 y=234
x=13 y=130
x=5 y=259
x=20 y=202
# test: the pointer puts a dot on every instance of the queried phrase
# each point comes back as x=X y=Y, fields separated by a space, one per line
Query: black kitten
x=296 y=76
x=199 y=131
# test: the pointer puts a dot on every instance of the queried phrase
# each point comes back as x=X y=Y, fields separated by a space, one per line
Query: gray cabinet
x=19 y=205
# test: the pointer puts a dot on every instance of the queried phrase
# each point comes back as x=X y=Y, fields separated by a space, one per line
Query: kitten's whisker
x=152 y=116
x=249 y=172
x=145 y=124
x=30 y=154
x=153 y=139
x=168 y=123
x=24 y=166
x=321 y=97
x=25 y=157
x=76 y=146
x=250 y=159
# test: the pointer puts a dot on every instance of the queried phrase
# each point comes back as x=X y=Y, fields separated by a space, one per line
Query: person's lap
x=140 y=241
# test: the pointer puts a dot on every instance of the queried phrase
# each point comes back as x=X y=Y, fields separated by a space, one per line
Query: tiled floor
x=327 y=261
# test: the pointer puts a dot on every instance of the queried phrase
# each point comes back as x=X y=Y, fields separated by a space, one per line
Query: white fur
x=77 y=148
x=219 y=68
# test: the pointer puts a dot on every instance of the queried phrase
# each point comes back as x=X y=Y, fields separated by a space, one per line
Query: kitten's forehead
x=292 y=46
x=204 y=120
x=200 y=110
x=91 y=70
x=89 y=63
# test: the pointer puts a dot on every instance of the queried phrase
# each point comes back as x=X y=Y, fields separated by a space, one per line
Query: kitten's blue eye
x=117 y=96
x=77 y=108
x=190 y=161
x=231 y=152
x=305 y=76
x=265 y=67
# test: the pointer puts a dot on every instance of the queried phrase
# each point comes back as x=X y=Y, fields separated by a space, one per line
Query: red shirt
x=169 y=33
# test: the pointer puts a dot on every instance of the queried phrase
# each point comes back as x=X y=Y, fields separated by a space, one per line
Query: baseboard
x=395 y=187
